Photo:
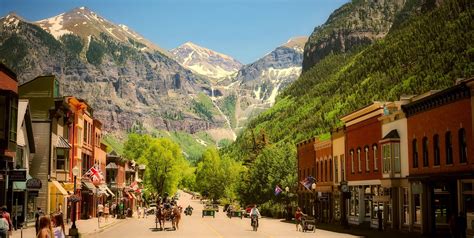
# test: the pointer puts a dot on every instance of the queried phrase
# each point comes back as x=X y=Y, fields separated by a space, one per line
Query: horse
x=176 y=214
x=160 y=216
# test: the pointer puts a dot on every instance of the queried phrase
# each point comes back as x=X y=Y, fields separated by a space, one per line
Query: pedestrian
x=38 y=214
x=45 y=230
x=4 y=227
x=112 y=209
x=106 y=212
x=7 y=217
x=59 y=231
x=60 y=208
x=299 y=218
x=138 y=212
x=100 y=210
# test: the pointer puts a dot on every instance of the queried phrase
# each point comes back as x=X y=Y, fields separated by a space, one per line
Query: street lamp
x=313 y=187
x=73 y=230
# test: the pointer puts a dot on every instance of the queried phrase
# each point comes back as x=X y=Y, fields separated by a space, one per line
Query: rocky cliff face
x=257 y=84
x=205 y=62
x=122 y=81
x=357 y=23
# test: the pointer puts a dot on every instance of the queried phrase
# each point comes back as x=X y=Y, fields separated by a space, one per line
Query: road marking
x=212 y=229
x=246 y=226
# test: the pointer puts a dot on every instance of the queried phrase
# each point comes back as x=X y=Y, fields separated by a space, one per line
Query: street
x=196 y=226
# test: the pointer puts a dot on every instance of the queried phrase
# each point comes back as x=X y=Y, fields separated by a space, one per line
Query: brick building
x=325 y=180
x=306 y=156
x=441 y=164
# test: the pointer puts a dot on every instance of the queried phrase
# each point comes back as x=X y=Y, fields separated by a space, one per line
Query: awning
x=59 y=187
x=88 y=185
x=110 y=191
x=70 y=187
x=62 y=143
x=103 y=188
x=19 y=186
x=111 y=165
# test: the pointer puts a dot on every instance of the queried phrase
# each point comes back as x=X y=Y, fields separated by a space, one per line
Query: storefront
x=88 y=190
x=57 y=197
x=33 y=185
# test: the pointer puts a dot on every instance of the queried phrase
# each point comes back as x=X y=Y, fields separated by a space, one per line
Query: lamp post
x=288 y=211
x=313 y=187
x=73 y=230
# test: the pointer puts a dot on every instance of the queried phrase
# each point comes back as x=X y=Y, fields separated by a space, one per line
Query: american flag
x=307 y=182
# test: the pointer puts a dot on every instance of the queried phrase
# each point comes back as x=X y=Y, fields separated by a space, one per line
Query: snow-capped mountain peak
x=204 y=61
x=85 y=23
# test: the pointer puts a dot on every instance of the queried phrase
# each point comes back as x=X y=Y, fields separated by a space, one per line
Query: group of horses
x=172 y=213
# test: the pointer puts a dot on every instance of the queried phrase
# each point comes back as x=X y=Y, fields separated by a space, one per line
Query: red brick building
x=363 y=164
x=441 y=161
x=325 y=180
x=306 y=157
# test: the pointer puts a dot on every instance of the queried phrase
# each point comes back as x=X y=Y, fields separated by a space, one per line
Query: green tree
x=136 y=146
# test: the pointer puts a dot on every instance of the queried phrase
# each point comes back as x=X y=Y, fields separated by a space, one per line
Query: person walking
x=100 y=210
x=45 y=230
x=59 y=231
x=299 y=218
x=7 y=217
x=106 y=212
x=4 y=227
x=38 y=214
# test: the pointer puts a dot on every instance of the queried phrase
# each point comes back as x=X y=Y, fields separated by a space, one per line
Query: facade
x=338 y=155
x=441 y=165
x=8 y=130
x=394 y=167
x=363 y=164
x=25 y=196
x=324 y=180
x=306 y=156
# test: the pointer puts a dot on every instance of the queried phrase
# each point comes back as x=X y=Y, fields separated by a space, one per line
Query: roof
x=62 y=143
x=393 y=134
x=24 y=116
x=8 y=71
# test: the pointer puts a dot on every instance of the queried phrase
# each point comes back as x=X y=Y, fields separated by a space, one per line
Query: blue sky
x=243 y=29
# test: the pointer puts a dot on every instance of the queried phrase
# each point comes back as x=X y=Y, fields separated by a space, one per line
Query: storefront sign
x=33 y=183
x=17 y=175
x=381 y=198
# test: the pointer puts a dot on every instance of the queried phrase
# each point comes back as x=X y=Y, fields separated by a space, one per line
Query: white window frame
x=352 y=161
x=375 y=158
x=396 y=158
x=387 y=154
x=367 y=159
x=359 y=166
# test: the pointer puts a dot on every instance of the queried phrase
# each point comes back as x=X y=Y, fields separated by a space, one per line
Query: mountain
x=258 y=84
x=357 y=23
x=428 y=51
x=85 y=23
x=124 y=82
x=205 y=62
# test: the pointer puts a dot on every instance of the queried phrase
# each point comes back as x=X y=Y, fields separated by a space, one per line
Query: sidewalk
x=367 y=232
x=84 y=226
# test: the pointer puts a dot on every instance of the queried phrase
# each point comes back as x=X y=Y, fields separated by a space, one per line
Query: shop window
x=396 y=158
x=387 y=153
x=367 y=159
x=376 y=168
x=415 y=153
x=462 y=146
x=441 y=203
x=405 y=210
x=359 y=165
x=425 y=152
x=467 y=202
x=436 y=149
x=354 y=201
x=368 y=201
x=352 y=161
x=417 y=208
x=449 y=147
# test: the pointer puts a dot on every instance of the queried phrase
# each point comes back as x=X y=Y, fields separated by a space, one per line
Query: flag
x=94 y=174
x=277 y=190
x=307 y=182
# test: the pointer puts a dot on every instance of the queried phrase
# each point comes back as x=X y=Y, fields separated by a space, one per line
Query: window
x=359 y=165
x=376 y=168
x=387 y=153
x=336 y=170
x=330 y=170
x=405 y=211
x=396 y=158
x=13 y=119
x=343 y=168
x=367 y=158
x=436 y=149
x=326 y=170
x=415 y=154
x=19 y=157
x=462 y=146
x=86 y=131
x=449 y=147
x=61 y=159
x=3 y=119
x=352 y=161
x=417 y=206
x=56 y=89
x=354 y=201
x=426 y=162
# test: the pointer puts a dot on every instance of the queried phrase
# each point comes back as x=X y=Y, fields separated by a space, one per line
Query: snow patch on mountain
x=54 y=26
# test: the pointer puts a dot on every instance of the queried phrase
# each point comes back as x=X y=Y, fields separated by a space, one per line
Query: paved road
x=196 y=226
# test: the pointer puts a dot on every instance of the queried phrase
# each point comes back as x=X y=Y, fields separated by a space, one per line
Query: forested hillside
x=426 y=51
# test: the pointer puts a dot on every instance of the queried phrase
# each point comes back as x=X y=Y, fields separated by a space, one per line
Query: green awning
x=19 y=186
